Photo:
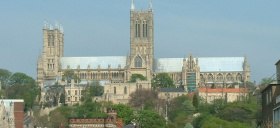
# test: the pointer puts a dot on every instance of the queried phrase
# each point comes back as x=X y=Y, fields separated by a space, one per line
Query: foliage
x=124 y=111
x=180 y=121
x=136 y=76
x=162 y=80
x=94 y=89
x=56 y=118
x=21 y=78
x=5 y=76
x=68 y=75
x=140 y=96
x=181 y=105
x=151 y=119
x=149 y=105
x=90 y=110
x=266 y=81
x=214 y=122
x=188 y=125
x=236 y=114
x=198 y=121
x=62 y=98
x=22 y=87
x=195 y=100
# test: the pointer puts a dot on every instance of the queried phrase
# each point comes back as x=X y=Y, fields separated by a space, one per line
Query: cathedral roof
x=206 y=64
x=93 y=62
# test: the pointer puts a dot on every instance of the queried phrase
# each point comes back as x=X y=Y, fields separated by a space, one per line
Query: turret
x=11 y=118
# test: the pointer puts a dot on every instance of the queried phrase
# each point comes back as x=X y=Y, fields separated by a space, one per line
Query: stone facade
x=191 y=72
x=228 y=94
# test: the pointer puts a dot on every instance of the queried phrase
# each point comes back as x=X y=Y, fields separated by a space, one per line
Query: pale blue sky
x=101 y=28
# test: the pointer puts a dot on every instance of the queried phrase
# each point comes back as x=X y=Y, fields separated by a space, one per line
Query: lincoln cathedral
x=190 y=71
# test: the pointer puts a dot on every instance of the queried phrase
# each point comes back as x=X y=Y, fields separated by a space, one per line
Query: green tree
x=124 y=112
x=188 y=125
x=141 y=96
x=150 y=119
x=180 y=105
x=149 y=105
x=214 y=122
x=136 y=76
x=22 y=87
x=266 y=81
x=21 y=78
x=68 y=75
x=162 y=80
x=180 y=121
x=94 y=89
x=62 y=98
x=5 y=76
x=195 y=100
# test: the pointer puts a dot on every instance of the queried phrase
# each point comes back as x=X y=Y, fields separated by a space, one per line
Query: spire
x=184 y=57
x=132 y=6
x=151 y=6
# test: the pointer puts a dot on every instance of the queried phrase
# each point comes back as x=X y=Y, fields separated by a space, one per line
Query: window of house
x=69 y=92
x=76 y=98
x=138 y=62
x=68 y=98
x=76 y=92
x=115 y=90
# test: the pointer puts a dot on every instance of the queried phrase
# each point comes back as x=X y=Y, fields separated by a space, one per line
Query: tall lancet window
x=115 y=90
x=145 y=32
x=52 y=41
x=138 y=62
x=49 y=40
x=125 y=90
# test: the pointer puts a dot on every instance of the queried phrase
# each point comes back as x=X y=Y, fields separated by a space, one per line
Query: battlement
x=111 y=110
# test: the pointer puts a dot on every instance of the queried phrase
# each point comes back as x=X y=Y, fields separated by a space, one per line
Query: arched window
x=85 y=76
x=210 y=78
x=52 y=40
x=229 y=77
x=202 y=80
x=138 y=62
x=220 y=78
x=115 y=90
x=239 y=77
x=125 y=90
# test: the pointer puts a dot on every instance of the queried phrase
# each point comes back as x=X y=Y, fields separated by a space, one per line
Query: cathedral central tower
x=141 y=39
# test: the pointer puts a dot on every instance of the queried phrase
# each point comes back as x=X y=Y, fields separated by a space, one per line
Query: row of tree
x=18 y=86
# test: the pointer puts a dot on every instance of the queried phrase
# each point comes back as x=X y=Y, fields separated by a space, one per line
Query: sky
x=101 y=28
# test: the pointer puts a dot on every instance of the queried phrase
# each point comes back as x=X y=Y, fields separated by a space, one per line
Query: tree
x=62 y=98
x=124 y=112
x=140 y=96
x=5 y=76
x=136 y=76
x=195 y=100
x=236 y=114
x=214 y=122
x=266 y=81
x=188 y=125
x=68 y=75
x=162 y=80
x=180 y=105
x=94 y=89
x=22 y=87
x=180 y=121
x=151 y=119
x=21 y=78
